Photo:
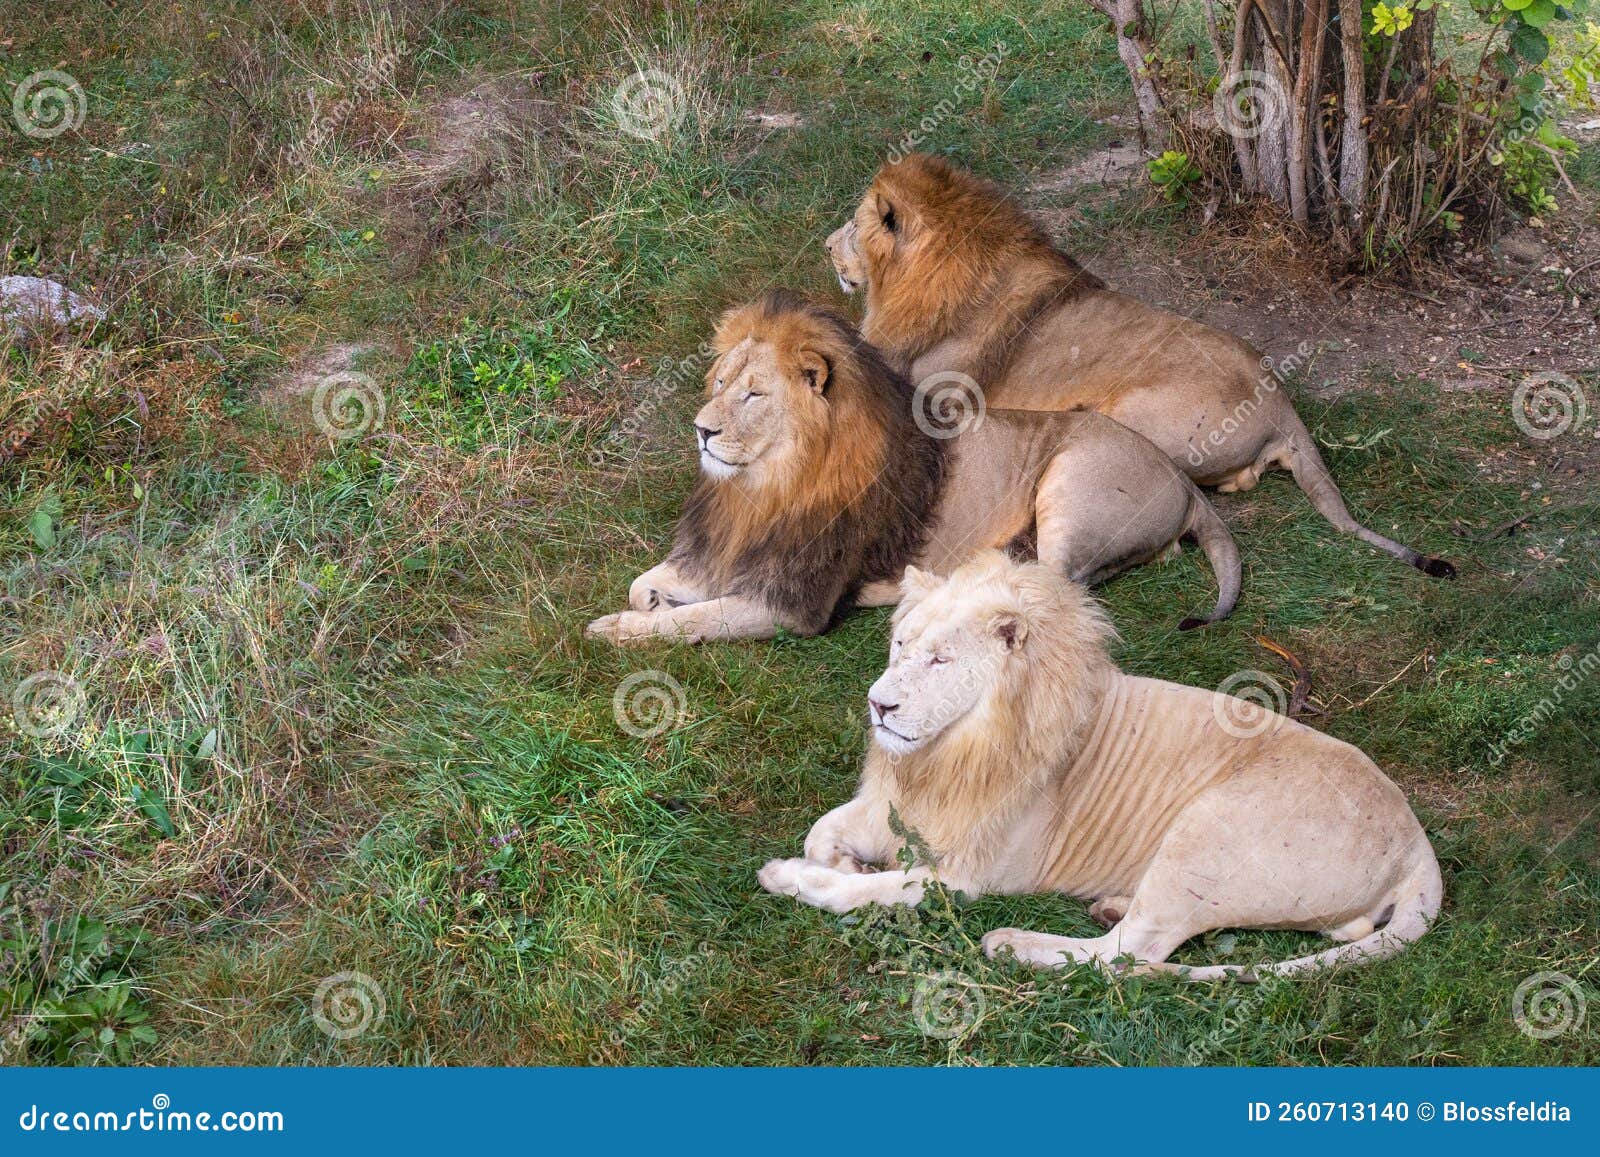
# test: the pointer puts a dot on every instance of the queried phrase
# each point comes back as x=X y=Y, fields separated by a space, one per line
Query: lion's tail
x=1416 y=903
x=1311 y=475
x=1221 y=551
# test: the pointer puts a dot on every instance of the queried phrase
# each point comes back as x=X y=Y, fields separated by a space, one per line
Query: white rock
x=28 y=303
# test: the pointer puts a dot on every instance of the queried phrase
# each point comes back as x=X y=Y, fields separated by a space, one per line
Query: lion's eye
x=937 y=661
x=748 y=394
x=717 y=385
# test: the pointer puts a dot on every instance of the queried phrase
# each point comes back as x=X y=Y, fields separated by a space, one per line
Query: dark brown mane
x=971 y=259
x=858 y=509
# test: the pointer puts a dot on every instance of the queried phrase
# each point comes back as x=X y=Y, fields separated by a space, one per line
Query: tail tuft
x=1191 y=623
x=1436 y=568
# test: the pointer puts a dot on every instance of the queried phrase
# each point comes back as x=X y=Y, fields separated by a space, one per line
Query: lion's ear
x=814 y=368
x=1010 y=628
x=914 y=584
x=887 y=215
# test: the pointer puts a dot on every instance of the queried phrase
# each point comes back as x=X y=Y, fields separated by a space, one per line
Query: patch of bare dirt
x=775 y=120
x=301 y=377
x=499 y=135
x=1482 y=320
x=1116 y=165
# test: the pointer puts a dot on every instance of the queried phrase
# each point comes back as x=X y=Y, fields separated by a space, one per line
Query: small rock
x=37 y=303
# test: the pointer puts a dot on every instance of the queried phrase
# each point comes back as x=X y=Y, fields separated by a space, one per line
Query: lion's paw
x=621 y=628
x=781 y=877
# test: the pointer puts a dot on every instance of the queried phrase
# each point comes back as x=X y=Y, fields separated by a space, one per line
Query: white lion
x=1007 y=740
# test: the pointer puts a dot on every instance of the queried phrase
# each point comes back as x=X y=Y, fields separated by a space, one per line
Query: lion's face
x=952 y=645
x=764 y=404
x=882 y=234
x=848 y=263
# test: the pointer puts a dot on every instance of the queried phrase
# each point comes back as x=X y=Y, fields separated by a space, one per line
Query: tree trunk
x=1272 y=146
x=1353 y=131
x=1128 y=18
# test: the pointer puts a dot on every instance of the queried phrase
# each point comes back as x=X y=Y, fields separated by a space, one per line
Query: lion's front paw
x=621 y=628
x=807 y=882
x=780 y=877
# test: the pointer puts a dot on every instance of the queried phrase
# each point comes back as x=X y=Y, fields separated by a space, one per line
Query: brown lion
x=1005 y=738
x=960 y=278
x=824 y=474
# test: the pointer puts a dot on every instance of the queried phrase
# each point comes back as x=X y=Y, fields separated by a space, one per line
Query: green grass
x=338 y=711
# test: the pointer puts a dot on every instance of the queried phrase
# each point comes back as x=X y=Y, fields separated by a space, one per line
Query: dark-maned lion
x=960 y=278
x=821 y=480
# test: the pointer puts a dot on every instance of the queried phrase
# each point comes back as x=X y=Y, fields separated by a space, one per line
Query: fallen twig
x=1302 y=678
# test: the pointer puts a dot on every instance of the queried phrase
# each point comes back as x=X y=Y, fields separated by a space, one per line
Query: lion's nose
x=705 y=433
x=880 y=711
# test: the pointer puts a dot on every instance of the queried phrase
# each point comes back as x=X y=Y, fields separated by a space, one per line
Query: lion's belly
x=1154 y=748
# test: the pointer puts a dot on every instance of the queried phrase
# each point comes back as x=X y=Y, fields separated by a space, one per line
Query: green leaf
x=43 y=529
x=1530 y=44
x=154 y=810
x=1539 y=13
x=1515 y=5
x=1553 y=138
